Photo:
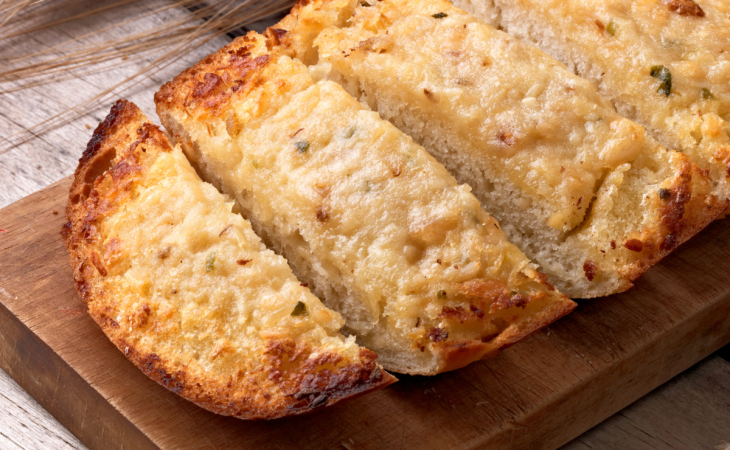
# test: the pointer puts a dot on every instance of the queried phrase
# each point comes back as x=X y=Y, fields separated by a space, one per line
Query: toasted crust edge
x=350 y=381
x=457 y=354
x=689 y=209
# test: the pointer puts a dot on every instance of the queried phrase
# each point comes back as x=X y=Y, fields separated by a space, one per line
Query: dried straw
x=163 y=44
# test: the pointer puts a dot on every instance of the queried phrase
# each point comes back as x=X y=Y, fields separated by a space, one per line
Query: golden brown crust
x=683 y=209
x=293 y=378
x=279 y=392
x=205 y=88
x=117 y=137
x=493 y=296
x=457 y=354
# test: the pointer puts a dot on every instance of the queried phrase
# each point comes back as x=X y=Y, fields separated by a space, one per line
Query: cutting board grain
x=537 y=394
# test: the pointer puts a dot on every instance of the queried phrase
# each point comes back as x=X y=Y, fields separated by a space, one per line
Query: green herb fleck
x=672 y=43
x=706 y=94
x=441 y=294
x=612 y=28
x=255 y=164
x=300 y=310
x=302 y=146
x=664 y=194
x=440 y=15
x=663 y=74
x=210 y=262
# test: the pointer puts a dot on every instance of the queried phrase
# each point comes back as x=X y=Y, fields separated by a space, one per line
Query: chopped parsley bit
x=210 y=262
x=302 y=146
x=440 y=15
x=255 y=164
x=665 y=77
x=611 y=28
x=300 y=310
x=706 y=94
x=664 y=194
x=441 y=294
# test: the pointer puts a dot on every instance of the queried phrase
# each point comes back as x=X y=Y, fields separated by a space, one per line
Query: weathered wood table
x=692 y=411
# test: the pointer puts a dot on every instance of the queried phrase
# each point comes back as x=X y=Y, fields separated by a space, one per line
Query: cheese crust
x=543 y=151
x=187 y=291
x=382 y=232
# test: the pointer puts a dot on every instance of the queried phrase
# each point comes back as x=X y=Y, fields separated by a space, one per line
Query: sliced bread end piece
x=185 y=289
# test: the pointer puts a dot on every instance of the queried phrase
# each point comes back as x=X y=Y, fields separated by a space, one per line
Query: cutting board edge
x=65 y=394
x=649 y=355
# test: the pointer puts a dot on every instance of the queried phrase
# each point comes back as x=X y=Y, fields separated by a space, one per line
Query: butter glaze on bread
x=379 y=230
x=187 y=291
x=580 y=189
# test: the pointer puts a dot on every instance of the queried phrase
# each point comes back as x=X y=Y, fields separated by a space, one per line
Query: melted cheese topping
x=514 y=109
x=616 y=44
x=182 y=265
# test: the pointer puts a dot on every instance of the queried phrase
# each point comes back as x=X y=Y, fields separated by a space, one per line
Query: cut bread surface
x=188 y=292
x=663 y=63
x=581 y=190
x=375 y=226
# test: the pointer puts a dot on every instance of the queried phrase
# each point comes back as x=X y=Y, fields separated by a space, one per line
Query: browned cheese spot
x=437 y=334
x=635 y=245
x=96 y=261
x=322 y=214
x=589 y=267
x=165 y=252
x=507 y=138
x=685 y=8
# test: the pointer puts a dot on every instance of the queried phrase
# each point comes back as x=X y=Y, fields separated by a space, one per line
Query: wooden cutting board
x=537 y=394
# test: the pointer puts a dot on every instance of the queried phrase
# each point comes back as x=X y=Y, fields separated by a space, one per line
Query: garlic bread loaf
x=578 y=188
x=187 y=291
x=663 y=63
x=377 y=228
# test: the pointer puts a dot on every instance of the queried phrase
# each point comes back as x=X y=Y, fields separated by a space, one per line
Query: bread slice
x=379 y=230
x=575 y=186
x=187 y=291
x=685 y=104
